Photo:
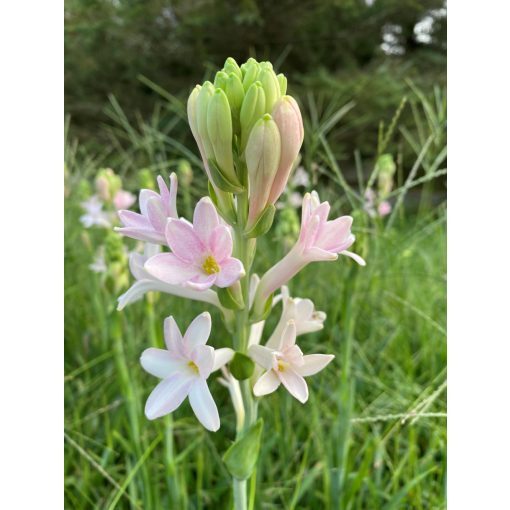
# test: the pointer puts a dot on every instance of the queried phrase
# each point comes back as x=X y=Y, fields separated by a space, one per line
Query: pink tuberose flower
x=286 y=365
x=184 y=366
x=201 y=253
x=123 y=199
x=319 y=240
x=155 y=210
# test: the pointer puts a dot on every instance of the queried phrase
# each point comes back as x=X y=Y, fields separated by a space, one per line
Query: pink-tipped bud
x=262 y=157
x=288 y=118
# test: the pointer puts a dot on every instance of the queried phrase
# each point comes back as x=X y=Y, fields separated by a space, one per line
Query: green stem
x=243 y=252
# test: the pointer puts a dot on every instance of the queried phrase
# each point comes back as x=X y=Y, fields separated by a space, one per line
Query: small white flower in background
x=300 y=178
x=184 y=367
x=286 y=365
x=295 y=199
x=302 y=312
x=99 y=263
x=94 y=214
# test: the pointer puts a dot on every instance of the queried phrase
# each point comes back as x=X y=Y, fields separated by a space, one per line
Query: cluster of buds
x=249 y=133
x=377 y=203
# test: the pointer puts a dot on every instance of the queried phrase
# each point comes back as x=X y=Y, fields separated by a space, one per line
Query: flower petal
x=145 y=195
x=267 y=383
x=205 y=219
x=203 y=405
x=168 y=395
x=156 y=214
x=334 y=233
x=183 y=240
x=173 y=336
x=133 y=219
x=222 y=357
x=231 y=270
x=160 y=362
x=354 y=256
x=136 y=263
x=203 y=357
x=198 y=331
x=169 y=268
x=148 y=235
x=220 y=243
x=262 y=355
x=202 y=281
x=294 y=383
x=313 y=363
x=288 y=336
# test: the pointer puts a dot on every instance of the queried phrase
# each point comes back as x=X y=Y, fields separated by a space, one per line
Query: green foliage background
x=373 y=434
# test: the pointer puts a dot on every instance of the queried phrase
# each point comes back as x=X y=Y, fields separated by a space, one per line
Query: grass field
x=372 y=435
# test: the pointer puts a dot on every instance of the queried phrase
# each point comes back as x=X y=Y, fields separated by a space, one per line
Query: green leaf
x=228 y=299
x=221 y=181
x=242 y=456
x=241 y=366
x=263 y=224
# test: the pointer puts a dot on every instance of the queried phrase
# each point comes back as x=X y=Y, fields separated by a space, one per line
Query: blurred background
x=370 y=78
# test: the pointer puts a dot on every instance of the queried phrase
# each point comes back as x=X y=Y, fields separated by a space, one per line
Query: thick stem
x=244 y=250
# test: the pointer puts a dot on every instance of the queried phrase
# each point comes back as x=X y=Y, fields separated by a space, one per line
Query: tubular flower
x=302 y=312
x=123 y=200
x=146 y=283
x=285 y=364
x=319 y=240
x=201 y=253
x=184 y=367
x=155 y=210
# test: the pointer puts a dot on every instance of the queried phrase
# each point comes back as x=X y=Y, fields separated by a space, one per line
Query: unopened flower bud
x=386 y=169
x=202 y=104
x=219 y=128
x=287 y=117
x=107 y=184
x=252 y=110
x=271 y=87
x=235 y=94
x=262 y=158
x=282 y=81
x=220 y=80
x=232 y=67
x=250 y=70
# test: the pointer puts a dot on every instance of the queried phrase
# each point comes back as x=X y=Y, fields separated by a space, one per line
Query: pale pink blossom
x=201 y=252
x=123 y=199
x=184 y=367
x=319 y=240
x=145 y=282
x=94 y=215
x=384 y=208
x=285 y=364
x=155 y=211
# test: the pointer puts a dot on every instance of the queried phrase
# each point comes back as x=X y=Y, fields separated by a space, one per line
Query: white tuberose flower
x=94 y=214
x=287 y=365
x=302 y=312
x=184 y=367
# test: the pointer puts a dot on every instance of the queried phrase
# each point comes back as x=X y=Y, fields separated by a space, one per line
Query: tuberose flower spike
x=286 y=365
x=155 y=210
x=201 y=252
x=184 y=367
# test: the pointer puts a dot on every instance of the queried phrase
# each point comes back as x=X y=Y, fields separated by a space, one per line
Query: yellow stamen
x=210 y=266
x=282 y=365
x=193 y=366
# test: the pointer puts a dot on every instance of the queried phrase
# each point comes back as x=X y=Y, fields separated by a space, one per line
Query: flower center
x=193 y=366
x=282 y=365
x=210 y=266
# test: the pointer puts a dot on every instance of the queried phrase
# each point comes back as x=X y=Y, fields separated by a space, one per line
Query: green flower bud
x=220 y=81
x=114 y=248
x=262 y=159
x=219 y=129
x=251 y=111
x=251 y=71
x=386 y=169
x=202 y=103
x=271 y=88
x=232 y=67
x=235 y=94
x=282 y=80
